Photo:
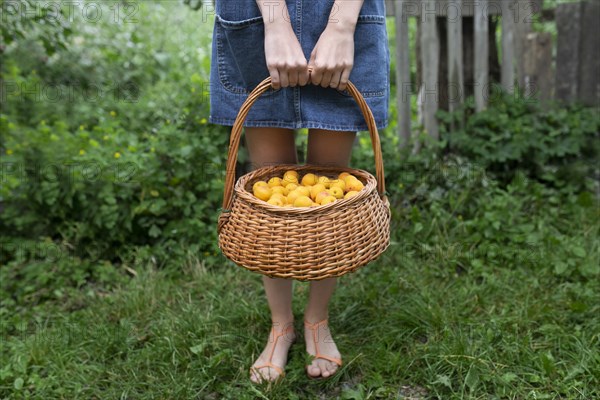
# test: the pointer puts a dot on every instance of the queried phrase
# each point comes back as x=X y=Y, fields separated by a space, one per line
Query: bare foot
x=271 y=363
x=325 y=346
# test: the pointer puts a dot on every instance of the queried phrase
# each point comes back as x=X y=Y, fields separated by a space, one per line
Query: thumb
x=313 y=55
x=313 y=77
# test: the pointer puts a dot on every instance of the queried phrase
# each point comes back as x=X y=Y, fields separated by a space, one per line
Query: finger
x=326 y=79
x=293 y=76
x=344 y=79
x=303 y=76
x=316 y=76
x=275 y=78
x=335 y=79
x=284 y=77
x=302 y=72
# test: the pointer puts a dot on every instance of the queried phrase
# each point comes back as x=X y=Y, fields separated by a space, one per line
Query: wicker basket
x=303 y=243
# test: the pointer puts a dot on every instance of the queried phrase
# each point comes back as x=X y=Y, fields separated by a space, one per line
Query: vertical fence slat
x=403 y=84
x=430 y=56
x=481 y=54
x=538 y=67
x=456 y=83
x=589 y=67
x=524 y=13
x=508 y=47
x=568 y=24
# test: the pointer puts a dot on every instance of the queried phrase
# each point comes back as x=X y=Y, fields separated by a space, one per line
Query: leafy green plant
x=107 y=157
x=43 y=23
x=111 y=189
x=555 y=145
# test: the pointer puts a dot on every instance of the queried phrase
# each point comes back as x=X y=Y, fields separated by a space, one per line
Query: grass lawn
x=406 y=325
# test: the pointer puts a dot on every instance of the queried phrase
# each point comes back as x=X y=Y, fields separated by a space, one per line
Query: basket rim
x=241 y=193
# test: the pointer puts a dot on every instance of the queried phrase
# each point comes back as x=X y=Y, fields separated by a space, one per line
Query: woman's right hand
x=285 y=60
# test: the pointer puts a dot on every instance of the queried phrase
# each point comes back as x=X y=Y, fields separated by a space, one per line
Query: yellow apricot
x=278 y=196
x=348 y=177
x=303 y=201
x=274 y=181
x=350 y=194
x=339 y=183
x=316 y=189
x=291 y=173
x=280 y=189
x=304 y=190
x=321 y=195
x=259 y=183
x=325 y=181
x=327 y=200
x=293 y=195
x=336 y=192
x=263 y=192
x=290 y=177
x=309 y=179
x=354 y=185
x=291 y=186
x=276 y=201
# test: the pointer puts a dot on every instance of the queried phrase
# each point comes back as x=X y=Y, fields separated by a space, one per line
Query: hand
x=285 y=59
x=332 y=58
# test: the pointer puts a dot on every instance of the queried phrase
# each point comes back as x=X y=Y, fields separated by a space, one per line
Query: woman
x=310 y=49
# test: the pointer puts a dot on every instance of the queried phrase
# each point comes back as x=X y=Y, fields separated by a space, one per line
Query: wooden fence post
x=539 y=84
x=456 y=81
x=577 y=60
x=430 y=56
x=589 y=62
x=508 y=48
x=568 y=23
x=524 y=13
x=403 y=83
x=481 y=89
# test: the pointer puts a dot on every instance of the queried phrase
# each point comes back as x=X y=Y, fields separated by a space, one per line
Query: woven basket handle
x=236 y=133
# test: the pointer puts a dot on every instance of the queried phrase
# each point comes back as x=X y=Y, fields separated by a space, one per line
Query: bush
x=97 y=185
x=558 y=146
x=106 y=189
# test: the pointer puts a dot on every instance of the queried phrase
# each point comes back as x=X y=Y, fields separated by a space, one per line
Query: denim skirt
x=238 y=64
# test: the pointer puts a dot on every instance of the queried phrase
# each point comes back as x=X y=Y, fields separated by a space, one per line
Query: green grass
x=405 y=324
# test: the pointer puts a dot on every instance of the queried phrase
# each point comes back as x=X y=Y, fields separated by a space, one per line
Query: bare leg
x=270 y=146
x=324 y=148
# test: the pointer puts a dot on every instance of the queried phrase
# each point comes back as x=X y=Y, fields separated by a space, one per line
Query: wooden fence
x=568 y=71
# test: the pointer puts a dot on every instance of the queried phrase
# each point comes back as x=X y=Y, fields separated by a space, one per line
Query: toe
x=314 y=370
x=270 y=374
x=332 y=368
x=327 y=368
x=324 y=367
x=262 y=375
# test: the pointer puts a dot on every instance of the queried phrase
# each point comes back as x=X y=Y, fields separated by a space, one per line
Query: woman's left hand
x=332 y=58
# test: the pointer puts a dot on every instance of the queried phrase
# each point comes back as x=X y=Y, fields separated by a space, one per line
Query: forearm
x=274 y=13
x=344 y=14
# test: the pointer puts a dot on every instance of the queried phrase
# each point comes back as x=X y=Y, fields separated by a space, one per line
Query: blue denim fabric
x=238 y=64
